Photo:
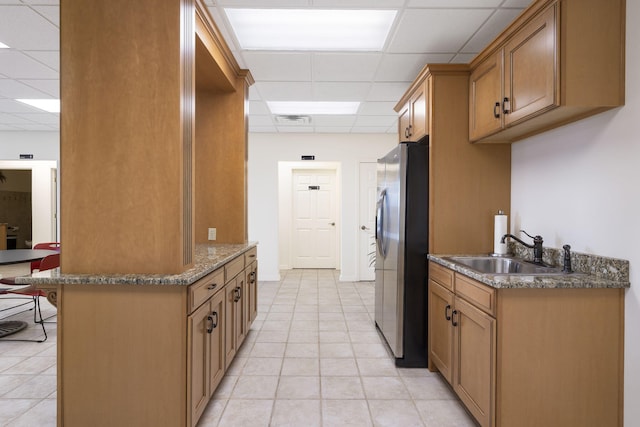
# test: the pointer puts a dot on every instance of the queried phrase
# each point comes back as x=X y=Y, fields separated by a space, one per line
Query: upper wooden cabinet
x=553 y=65
x=412 y=109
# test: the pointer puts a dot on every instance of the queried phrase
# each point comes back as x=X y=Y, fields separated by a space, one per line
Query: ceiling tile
x=494 y=26
x=401 y=67
x=50 y=58
x=255 y=120
x=258 y=108
x=51 y=13
x=340 y=91
x=377 y=108
x=43 y=118
x=258 y=129
x=463 y=58
x=375 y=121
x=263 y=3
x=23 y=28
x=333 y=121
x=37 y=127
x=517 y=3
x=429 y=30
x=285 y=91
x=279 y=66
x=15 y=64
x=10 y=88
x=51 y=87
x=12 y=119
x=391 y=92
x=454 y=3
x=365 y=4
x=335 y=67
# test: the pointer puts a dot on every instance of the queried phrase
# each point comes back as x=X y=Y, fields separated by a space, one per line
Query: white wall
x=579 y=185
x=43 y=145
x=266 y=150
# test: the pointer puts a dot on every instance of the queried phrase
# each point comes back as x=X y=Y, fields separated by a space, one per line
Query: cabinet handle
x=453 y=317
x=212 y=287
x=496 y=110
x=446 y=312
x=253 y=277
x=506 y=105
x=215 y=322
x=210 y=328
x=410 y=130
x=406 y=132
x=238 y=292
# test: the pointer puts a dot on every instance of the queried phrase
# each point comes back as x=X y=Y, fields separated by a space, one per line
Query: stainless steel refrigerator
x=402 y=239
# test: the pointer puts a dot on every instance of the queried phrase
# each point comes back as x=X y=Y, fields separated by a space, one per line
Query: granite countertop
x=208 y=257
x=601 y=273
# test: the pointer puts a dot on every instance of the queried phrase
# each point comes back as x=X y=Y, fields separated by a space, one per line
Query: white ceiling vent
x=292 y=119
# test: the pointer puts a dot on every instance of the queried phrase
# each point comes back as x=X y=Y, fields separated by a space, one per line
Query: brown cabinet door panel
x=485 y=96
x=440 y=328
x=475 y=356
x=531 y=68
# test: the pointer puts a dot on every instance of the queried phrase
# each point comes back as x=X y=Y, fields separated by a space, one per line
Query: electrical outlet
x=212 y=234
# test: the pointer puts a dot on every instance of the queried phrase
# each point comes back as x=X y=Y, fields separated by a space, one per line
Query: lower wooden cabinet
x=206 y=353
x=462 y=347
x=528 y=357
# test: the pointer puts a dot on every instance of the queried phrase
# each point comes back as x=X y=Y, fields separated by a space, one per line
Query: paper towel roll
x=499 y=230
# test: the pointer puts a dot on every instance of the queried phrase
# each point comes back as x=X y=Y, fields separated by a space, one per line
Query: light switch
x=212 y=234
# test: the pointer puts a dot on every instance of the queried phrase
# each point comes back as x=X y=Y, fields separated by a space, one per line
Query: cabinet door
x=198 y=324
x=230 y=309
x=419 y=113
x=474 y=371
x=531 y=68
x=252 y=280
x=242 y=309
x=216 y=341
x=485 y=97
x=440 y=332
x=404 y=119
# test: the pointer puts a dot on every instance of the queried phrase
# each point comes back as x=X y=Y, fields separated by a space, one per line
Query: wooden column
x=127 y=96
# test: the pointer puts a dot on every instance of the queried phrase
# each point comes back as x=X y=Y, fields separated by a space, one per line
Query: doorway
x=314 y=218
x=367 y=218
x=294 y=249
x=44 y=200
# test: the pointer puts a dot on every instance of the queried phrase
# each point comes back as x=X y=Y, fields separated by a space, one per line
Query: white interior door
x=314 y=218
x=367 y=221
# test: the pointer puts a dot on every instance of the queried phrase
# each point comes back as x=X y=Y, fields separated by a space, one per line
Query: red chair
x=47 y=263
x=52 y=246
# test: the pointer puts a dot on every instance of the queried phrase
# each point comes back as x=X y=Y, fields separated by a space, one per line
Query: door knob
x=364 y=228
x=332 y=223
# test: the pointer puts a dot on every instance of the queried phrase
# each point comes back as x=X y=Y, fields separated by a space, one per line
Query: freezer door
x=388 y=293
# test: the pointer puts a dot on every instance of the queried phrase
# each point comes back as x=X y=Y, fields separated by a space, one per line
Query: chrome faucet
x=566 y=268
x=537 y=245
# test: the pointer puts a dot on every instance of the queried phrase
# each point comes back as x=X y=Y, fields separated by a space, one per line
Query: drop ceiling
x=424 y=31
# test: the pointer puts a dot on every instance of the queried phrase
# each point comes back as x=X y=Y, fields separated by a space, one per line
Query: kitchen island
x=150 y=349
x=531 y=350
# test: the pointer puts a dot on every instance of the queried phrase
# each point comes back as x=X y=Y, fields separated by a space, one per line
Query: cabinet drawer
x=250 y=256
x=482 y=296
x=233 y=268
x=443 y=276
x=204 y=288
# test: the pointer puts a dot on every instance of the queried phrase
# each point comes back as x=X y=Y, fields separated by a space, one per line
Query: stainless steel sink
x=494 y=265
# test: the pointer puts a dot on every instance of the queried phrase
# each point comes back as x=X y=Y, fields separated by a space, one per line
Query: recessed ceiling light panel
x=48 y=105
x=315 y=29
x=304 y=108
x=3 y=46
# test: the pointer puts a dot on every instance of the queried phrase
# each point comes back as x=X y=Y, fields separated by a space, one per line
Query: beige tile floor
x=312 y=358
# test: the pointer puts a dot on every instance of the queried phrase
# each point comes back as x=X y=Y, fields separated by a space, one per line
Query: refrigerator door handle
x=380 y=223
